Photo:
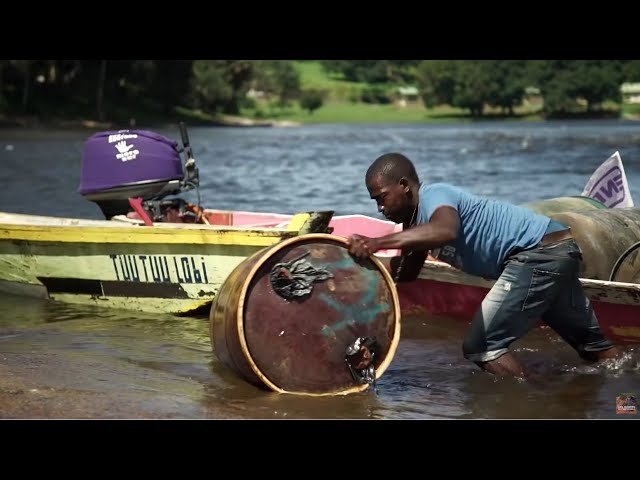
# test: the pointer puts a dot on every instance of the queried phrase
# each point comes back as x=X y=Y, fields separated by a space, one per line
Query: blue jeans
x=541 y=283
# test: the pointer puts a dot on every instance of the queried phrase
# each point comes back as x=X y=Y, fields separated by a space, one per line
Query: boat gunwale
x=43 y=229
x=443 y=272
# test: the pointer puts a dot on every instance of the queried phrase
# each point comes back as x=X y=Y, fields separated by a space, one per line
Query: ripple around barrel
x=285 y=317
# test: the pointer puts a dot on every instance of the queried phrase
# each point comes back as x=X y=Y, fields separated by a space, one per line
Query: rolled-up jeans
x=541 y=283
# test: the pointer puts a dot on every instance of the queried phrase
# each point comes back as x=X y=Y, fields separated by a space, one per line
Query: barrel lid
x=304 y=303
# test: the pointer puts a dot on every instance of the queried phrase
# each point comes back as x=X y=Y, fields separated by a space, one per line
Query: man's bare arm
x=442 y=229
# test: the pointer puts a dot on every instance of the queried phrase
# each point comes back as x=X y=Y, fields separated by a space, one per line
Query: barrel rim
x=240 y=315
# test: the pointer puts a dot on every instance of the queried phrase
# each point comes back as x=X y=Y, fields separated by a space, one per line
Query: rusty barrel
x=289 y=317
x=564 y=204
x=604 y=235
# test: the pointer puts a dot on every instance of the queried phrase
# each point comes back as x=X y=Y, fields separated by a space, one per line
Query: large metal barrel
x=604 y=236
x=305 y=317
x=564 y=204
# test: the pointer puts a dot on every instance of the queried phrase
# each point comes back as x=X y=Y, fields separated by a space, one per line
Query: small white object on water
x=281 y=333
x=8 y=148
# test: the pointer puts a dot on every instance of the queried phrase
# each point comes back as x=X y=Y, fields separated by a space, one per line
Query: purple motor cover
x=121 y=157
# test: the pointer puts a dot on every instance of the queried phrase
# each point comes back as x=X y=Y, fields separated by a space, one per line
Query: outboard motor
x=125 y=164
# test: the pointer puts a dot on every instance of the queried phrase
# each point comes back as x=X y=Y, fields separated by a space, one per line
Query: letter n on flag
x=608 y=184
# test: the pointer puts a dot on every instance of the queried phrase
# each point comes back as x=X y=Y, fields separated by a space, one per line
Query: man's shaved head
x=393 y=183
x=391 y=167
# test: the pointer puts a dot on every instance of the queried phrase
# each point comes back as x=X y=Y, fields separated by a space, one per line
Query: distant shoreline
x=34 y=123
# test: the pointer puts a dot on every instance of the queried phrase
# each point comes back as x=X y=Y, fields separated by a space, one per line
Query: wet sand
x=61 y=361
x=58 y=385
x=64 y=361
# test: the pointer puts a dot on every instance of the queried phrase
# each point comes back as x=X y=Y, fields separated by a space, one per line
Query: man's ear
x=404 y=183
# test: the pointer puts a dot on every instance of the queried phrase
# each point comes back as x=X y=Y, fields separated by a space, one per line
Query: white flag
x=608 y=184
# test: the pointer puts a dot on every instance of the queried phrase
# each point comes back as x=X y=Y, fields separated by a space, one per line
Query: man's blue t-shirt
x=489 y=229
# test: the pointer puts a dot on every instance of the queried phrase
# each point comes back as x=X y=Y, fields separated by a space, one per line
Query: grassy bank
x=312 y=75
x=339 y=107
x=346 y=112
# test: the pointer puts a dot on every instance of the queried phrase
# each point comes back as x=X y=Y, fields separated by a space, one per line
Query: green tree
x=437 y=81
x=278 y=77
x=474 y=85
x=220 y=85
x=631 y=71
x=507 y=83
x=563 y=83
x=311 y=99
x=597 y=81
x=170 y=82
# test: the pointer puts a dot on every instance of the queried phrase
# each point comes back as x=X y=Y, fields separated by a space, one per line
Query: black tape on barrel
x=294 y=279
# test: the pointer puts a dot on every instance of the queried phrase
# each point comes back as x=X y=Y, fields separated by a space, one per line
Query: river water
x=69 y=361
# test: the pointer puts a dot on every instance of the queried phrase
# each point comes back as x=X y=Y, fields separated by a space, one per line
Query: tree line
x=110 y=89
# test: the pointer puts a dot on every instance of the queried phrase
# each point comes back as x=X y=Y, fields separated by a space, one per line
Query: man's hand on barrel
x=361 y=246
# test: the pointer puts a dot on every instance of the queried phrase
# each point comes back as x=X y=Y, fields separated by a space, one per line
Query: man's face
x=391 y=197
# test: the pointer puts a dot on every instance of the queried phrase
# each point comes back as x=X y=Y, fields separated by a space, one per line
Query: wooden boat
x=152 y=252
x=443 y=290
x=168 y=267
